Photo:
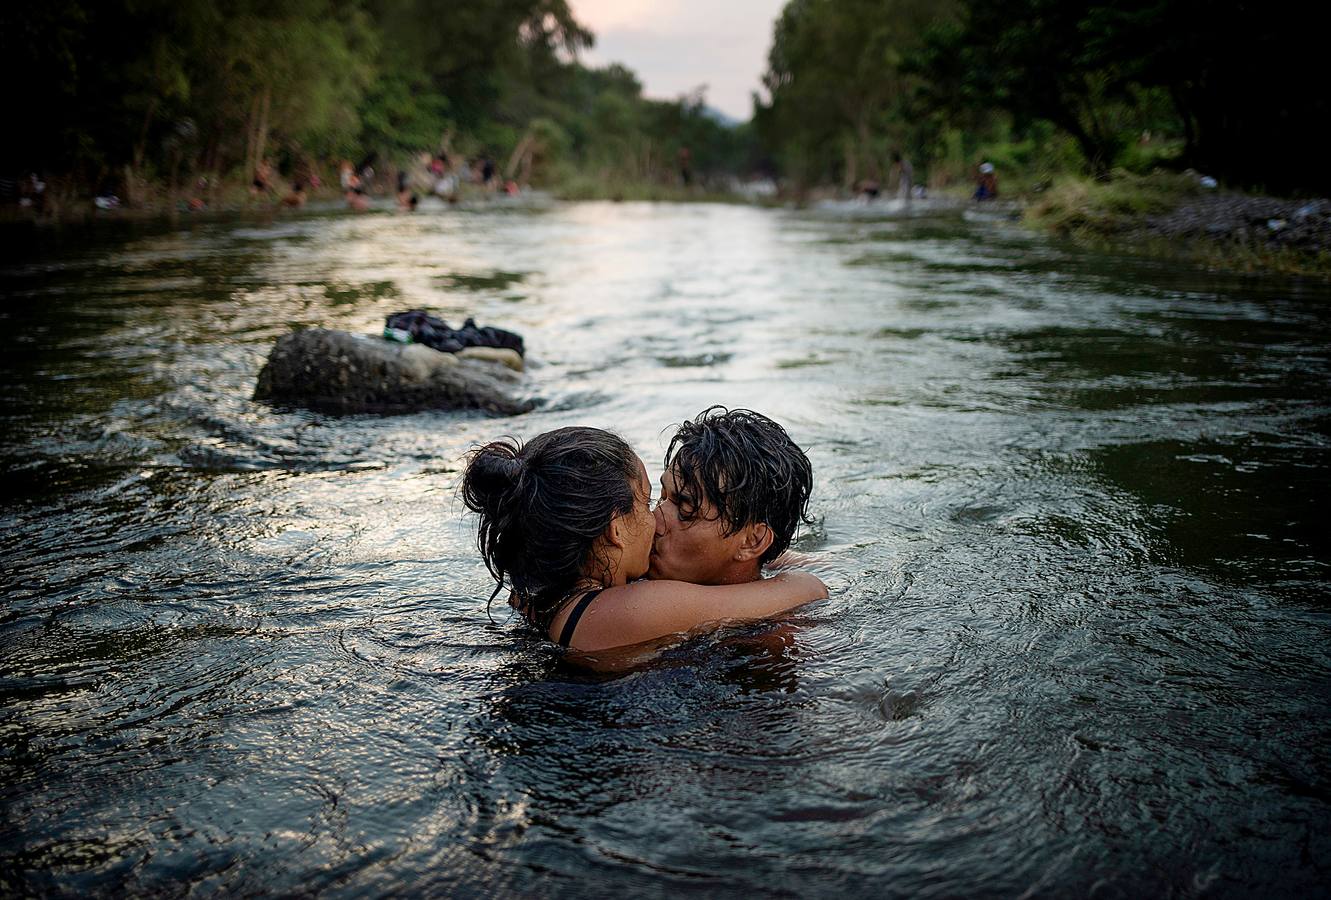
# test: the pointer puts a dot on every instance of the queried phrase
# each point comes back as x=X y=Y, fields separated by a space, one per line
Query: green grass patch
x=1111 y=215
x=1080 y=206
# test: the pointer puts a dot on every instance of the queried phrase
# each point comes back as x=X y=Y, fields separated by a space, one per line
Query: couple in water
x=567 y=522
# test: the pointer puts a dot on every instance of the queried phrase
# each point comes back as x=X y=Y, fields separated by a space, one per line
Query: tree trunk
x=249 y=135
x=176 y=157
x=528 y=160
x=141 y=148
x=1090 y=147
x=865 y=141
x=1189 y=126
x=518 y=153
x=850 y=176
x=261 y=136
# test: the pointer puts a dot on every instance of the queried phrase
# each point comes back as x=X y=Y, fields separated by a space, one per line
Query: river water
x=1067 y=506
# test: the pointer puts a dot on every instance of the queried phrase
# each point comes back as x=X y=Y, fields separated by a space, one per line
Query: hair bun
x=542 y=506
x=491 y=476
x=513 y=466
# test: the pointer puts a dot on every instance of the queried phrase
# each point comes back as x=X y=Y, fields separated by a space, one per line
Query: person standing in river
x=905 y=176
x=986 y=184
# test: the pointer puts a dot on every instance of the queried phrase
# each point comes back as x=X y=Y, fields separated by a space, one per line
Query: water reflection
x=1065 y=502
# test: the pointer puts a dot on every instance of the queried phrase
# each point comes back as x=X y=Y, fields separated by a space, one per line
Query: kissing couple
x=568 y=523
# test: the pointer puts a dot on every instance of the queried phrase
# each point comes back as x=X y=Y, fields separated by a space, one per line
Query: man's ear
x=754 y=541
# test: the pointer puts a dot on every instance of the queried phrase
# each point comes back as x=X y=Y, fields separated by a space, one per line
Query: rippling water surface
x=1068 y=506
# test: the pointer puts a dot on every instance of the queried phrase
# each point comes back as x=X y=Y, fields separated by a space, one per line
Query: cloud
x=606 y=14
x=676 y=46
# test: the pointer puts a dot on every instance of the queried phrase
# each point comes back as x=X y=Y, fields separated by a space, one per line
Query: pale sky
x=676 y=45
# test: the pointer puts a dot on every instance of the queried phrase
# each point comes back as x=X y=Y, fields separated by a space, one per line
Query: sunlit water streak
x=1067 y=503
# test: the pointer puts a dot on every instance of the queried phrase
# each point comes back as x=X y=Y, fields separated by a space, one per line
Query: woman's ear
x=617 y=532
x=755 y=539
x=614 y=534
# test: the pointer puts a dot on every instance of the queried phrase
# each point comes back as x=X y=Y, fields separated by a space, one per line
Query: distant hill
x=721 y=118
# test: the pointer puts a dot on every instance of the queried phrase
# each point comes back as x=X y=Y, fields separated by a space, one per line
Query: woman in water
x=566 y=521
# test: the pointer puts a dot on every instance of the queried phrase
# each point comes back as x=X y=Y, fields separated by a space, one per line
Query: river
x=1066 y=502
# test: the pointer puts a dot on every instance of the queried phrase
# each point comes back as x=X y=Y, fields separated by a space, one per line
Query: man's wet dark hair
x=542 y=506
x=748 y=467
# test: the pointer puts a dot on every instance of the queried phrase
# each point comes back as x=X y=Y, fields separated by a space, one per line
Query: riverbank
x=1167 y=215
x=1179 y=215
x=581 y=187
x=229 y=199
x=153 y=201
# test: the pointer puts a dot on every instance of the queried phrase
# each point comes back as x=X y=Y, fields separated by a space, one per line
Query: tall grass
x=1082 y=206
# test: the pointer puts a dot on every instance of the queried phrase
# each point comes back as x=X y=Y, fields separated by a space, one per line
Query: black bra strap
x=566 y=633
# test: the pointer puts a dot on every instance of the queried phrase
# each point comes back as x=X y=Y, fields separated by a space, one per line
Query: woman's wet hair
x=747 y=467
x=543 y=505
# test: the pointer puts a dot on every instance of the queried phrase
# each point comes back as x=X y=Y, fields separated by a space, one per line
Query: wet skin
x=637 y=530
x=691 y=544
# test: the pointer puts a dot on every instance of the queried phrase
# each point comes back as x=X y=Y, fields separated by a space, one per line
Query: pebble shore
x=1252 y=221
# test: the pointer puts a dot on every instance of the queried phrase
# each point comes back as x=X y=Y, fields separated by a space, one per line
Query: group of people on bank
x=431 y=174
x=870 y=189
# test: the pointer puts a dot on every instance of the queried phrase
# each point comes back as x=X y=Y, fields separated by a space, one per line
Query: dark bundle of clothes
x=434 y=332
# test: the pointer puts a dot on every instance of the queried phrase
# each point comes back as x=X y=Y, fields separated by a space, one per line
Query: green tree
x=839 y=85
x=1245 y=81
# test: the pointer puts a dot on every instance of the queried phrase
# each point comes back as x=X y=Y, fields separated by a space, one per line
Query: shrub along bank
x=1179 y=215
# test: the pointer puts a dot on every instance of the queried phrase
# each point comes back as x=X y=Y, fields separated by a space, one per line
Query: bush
x=1080 y=206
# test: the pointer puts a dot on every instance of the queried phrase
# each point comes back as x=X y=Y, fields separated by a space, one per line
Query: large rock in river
x=339 y=372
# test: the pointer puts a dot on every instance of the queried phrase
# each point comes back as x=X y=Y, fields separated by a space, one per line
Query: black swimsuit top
x=566 y=633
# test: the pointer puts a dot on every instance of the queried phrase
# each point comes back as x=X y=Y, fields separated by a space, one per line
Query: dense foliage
x=1226 y=86
x=123 y=94
x=842 y=95
x=114 y=93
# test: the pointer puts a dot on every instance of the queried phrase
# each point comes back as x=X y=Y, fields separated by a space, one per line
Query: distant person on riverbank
x=32 y=192
x=905 y=176
x=406 y=197
x=685 y=159
x=355 y=194
x=263 y=178
x=365 y=169
x=296 y=198
x=445 y=180
x=566 y=522
x=986 y=184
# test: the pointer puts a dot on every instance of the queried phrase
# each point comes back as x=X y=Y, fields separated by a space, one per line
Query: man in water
x=734 y=490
